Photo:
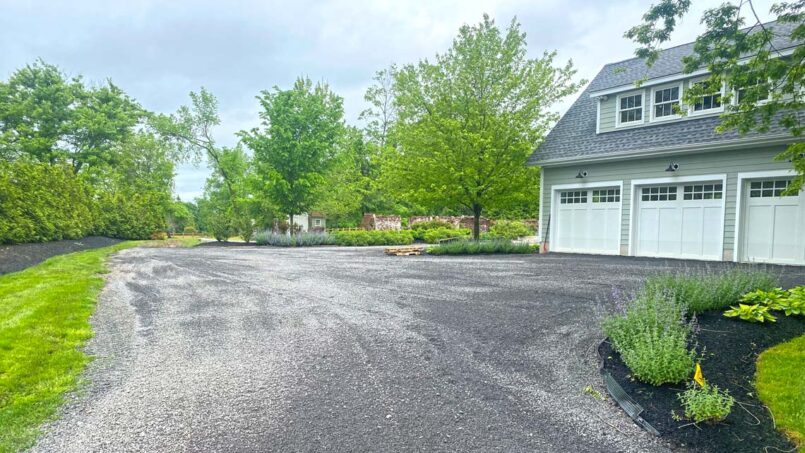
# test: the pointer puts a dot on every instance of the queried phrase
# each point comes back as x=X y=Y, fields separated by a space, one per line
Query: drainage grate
x=626 y=402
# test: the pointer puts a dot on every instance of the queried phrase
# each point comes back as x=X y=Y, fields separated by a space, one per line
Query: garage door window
x=703 y=192
x=767 y=189
x=665 y=193
x=607 y=196
x=571 y=197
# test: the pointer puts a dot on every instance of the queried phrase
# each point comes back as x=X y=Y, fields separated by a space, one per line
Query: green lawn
x=781 y=385
x=44 y=321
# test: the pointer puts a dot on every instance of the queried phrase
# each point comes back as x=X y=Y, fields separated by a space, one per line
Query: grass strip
x=44 y=323
x=780 y=381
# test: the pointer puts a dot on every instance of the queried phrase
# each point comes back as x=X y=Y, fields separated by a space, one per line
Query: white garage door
x=680 y=221
x=774 y=225
x=588 y=221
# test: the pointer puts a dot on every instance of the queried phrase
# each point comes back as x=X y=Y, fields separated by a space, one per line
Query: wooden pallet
x=404 y=251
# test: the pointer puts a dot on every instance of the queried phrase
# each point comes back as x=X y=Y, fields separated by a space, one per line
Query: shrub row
x=297 y=240
x=40 y=202
x=419 y=229
x=378 y=237
x=505 y=229
x=433 y=236
x=701 y=291
x=466 y=247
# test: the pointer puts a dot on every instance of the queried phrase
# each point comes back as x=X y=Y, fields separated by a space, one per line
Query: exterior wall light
x=673 y=166
x=581 y=174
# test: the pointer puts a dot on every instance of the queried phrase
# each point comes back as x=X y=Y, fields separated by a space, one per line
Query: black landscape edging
x=731 y=350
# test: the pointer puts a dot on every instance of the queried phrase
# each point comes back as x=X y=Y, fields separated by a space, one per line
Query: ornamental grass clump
x=654 y=338
x=701 y=291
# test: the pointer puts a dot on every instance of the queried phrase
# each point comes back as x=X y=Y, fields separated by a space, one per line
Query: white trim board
x=584 y=185
x=739 y=202
x=541 y=203
x=677 y=180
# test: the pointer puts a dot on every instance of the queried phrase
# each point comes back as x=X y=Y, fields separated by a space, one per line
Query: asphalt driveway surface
x=344 y=349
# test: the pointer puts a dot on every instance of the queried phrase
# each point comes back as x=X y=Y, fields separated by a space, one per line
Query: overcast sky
x=158 y=51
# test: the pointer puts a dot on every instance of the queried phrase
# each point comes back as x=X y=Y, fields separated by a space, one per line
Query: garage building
x=625 y=173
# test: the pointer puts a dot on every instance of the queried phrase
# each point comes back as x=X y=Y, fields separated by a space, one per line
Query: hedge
x=361 y=237
x=42 y=202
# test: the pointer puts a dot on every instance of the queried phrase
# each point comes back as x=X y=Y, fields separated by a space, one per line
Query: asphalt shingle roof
x=574 y=135
x=670 y=61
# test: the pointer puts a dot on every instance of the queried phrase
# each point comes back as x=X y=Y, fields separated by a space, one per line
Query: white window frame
x=742 y=177
x=760 y=102
x=691 y=108
x=675 y=116
x=676 y=180
x=642 y=119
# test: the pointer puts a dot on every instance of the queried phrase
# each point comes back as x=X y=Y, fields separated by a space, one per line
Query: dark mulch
x=225 y=244
x=17 y=257
x=730 y=349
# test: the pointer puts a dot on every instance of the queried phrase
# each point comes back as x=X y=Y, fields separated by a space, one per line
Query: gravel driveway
x=344 y=349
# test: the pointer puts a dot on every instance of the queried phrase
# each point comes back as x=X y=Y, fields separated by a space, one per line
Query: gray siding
x=716 y=163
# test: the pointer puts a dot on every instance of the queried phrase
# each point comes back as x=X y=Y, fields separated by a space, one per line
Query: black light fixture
x=581 y=174
x=673 y=166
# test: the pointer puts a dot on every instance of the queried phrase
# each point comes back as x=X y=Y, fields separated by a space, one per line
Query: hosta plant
x=706 y=403
x=794 y=302
x=771 y=298
x=751 y=313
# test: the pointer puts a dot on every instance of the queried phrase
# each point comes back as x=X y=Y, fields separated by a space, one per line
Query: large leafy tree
x=468 y=121
x=191 y=129
x=50 y=118
x=741 y=54
x=296 y=144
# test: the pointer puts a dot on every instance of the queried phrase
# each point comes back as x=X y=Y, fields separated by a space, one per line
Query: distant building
x=313 y=221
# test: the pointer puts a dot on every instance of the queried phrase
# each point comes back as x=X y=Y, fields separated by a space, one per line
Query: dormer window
x=760 y=90
x=666 y=102
x=708 y=103
x=630 y=108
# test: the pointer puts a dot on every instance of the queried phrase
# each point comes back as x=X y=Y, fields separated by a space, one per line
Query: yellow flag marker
x=698 y=376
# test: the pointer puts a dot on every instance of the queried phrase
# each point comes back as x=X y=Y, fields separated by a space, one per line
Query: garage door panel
x=759 y=227
x=773 y=224
x=670 y=224
x=784 y=246
x=588 y=221
x=687 y=223
x=648 y=229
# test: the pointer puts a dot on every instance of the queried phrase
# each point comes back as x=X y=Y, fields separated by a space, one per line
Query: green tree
x=296 y=144
x=742 y=55
x=46 y=117
x=468 y=121
x=190 y=128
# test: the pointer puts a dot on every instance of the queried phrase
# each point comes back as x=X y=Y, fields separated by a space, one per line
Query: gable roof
x=669 y=62
x=575 y=137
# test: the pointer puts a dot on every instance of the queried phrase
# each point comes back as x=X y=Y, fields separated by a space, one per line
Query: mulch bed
x=730 y=350
x=225 y=244
x=16 y=257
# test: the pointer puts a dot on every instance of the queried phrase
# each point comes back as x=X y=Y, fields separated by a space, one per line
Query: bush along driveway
x=344 y=349
x=685 y=345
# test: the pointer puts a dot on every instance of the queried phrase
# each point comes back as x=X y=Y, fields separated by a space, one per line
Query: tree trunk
x=476 y=226
x=290 y=226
